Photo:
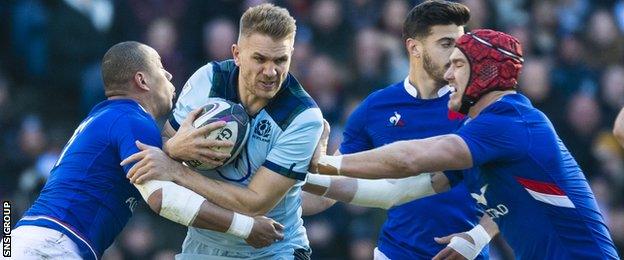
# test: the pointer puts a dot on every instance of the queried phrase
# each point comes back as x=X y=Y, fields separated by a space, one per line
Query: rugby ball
x=236 y=129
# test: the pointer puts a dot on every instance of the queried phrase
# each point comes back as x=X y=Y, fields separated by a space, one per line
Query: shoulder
x=388 y=93
x=381 y=96
x=508 y=106
x=134 y=121
x=293 y=102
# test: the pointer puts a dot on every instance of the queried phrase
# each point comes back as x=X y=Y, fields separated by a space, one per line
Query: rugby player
x=413 y=108
x=268 y=175
x=531 y=185
x=87 y=200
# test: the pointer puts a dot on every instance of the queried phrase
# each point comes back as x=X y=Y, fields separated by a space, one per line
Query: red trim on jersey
x=541 y=187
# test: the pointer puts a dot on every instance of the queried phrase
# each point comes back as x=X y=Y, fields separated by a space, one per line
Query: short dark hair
x=120 y=63
x=430 y=13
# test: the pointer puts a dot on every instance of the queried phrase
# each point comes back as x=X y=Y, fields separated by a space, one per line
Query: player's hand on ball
x=449 y=252
x=265 y=232
x=189 y=143
x=151 y=164
x=321 y=148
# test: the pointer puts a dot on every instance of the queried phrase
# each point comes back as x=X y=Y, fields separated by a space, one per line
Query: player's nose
x=270 y=71
x=448 y=75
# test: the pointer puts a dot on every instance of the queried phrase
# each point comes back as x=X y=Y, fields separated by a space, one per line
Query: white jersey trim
x=411 y=89
x=556 y=200
x=66 y=228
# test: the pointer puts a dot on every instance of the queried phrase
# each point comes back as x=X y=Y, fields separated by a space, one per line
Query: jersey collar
x=411 y=89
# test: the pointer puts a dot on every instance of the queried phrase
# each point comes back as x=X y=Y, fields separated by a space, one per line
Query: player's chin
x=266 y=93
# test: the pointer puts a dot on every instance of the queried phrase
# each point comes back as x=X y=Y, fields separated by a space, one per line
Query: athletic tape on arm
x=386 y=193
x=467 y=249
x=178 y=204
x=319 y=180
x=241 y=225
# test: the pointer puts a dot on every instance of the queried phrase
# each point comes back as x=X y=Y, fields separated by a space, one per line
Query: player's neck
x=426 y=86
x=252 y=103
x=145 y=105
x=487 y=100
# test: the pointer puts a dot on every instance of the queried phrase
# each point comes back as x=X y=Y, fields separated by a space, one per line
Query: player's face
x=263 y=63
x=457 y=76
x=437 y=47
x=160 y=79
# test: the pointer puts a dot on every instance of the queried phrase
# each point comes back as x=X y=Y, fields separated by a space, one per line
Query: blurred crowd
x=50 y=52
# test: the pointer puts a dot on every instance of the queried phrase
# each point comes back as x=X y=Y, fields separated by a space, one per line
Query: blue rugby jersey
x=532 y=187
x=396 y=113
x=87 y=196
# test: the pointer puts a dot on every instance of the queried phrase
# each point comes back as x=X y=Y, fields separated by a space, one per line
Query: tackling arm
x=185 y=207
x=264 y=191
x=382 y=193
x=401 y=159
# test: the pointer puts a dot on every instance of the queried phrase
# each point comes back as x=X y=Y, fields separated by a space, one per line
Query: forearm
x=401 y=159
x=222 y=194
x=186 y=207
x=335 y=187
x=382 y=193
x=312 y=204
x=489 y=225
x=618 y=127
x=389 y=161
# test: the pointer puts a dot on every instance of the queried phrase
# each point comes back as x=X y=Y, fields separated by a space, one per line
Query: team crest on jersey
x=396 y=120
x=262 y=130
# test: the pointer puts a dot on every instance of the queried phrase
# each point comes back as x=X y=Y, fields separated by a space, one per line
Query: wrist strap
x=241 y=225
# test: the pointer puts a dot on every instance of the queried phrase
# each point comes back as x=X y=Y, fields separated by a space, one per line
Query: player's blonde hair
x=267 y=19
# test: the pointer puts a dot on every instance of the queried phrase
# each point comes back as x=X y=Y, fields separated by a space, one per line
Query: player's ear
x=414 y=47
x=236 y=54
x=140 y=80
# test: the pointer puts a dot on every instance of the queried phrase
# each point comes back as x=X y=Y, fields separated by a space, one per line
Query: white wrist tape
x=386 y=193
x=332 y=161
x=480 y=236
x=319 y=180
x=178 y=204
x=241 y=225
x=467 y=249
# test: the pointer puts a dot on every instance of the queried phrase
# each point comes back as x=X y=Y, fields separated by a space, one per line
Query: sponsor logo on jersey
x=132 y=203
x=494 y=212
x=396 y=120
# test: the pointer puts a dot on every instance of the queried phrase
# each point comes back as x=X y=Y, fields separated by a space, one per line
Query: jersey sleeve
x=494 y=137
x=194 y=94
x=354 y=138
x=290 y=155
x=129 y=128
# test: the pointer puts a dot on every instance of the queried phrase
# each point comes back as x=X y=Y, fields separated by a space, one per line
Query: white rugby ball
x=236 y=129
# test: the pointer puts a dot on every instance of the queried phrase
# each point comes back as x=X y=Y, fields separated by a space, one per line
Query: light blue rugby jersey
x=283 y=137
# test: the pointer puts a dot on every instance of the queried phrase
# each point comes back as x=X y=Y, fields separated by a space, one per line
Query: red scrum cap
x=495 y=61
